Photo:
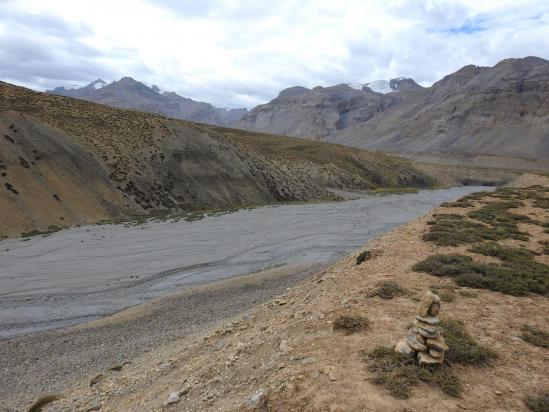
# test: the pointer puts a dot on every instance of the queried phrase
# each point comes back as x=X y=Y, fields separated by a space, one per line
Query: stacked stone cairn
x=425 y=338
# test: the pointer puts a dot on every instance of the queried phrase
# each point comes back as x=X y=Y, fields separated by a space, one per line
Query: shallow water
x=83 y=273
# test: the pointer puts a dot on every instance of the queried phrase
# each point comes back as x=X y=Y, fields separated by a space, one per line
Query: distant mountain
x=490 y=116
x=321 y=111
x=128 y=93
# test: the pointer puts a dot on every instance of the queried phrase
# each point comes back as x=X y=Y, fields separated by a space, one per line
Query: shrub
x=350 y=323
x=387 y=290
x=363 y=257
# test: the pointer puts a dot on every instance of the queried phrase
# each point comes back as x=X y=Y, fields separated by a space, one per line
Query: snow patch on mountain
x=380 y=86
x=356 y=86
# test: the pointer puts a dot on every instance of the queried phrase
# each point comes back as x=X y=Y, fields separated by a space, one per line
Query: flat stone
x=435 y=353
x=437 y=344
x=403 y=348
x=412 y=341
x=421 y=339
x=426 y=334
x=431 y=320
x=426 y=359
x=425 y=326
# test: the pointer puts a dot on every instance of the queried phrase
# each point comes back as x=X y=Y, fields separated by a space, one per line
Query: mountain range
x=483 y=116
x=479 y=116
x=128 y=93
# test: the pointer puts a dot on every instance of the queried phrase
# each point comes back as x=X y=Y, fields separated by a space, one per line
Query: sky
x=240 y=53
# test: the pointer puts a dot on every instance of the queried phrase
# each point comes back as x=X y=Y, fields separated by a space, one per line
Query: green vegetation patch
x=518 y=274
x=535 y=336
x=492 y=221
x=350 y=323
x=496 y=223
x=399 y=373
x=538 y=402
x=387 y=290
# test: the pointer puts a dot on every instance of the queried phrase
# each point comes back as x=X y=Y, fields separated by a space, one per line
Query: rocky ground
x=285 y=354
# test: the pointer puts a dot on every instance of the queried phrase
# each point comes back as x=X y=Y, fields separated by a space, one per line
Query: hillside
x=128 y=93
x=66 y=161
x=327 y=343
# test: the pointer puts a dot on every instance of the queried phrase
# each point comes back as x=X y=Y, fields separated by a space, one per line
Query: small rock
x=403 y=348
x=308 y=361
x=258 y=399
x=173 y=398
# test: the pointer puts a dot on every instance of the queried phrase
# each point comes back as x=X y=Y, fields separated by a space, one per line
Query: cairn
x=425 y=338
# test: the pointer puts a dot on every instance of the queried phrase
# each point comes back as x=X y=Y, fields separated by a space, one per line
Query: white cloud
x=233 y=53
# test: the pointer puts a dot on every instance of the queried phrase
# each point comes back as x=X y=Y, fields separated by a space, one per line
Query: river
x=83 y=273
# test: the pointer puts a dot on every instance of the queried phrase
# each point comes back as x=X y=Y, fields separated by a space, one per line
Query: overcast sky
x=241 y=53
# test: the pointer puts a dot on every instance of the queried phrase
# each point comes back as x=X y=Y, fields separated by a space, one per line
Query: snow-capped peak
x=98 y=84
x=381 y=86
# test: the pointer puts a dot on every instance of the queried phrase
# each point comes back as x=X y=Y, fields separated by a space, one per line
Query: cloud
x=234 y=53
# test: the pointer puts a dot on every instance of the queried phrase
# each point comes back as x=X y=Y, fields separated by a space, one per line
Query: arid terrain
x=317 y=346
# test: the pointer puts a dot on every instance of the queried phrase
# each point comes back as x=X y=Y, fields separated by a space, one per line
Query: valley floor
x=284 y=355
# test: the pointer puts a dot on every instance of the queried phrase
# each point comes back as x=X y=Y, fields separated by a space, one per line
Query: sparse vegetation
x=387 y=290
x=517 y=275
x=463 y=348
x=538 y=403
x=350 y=323
x=496 y=223
x=399 y=373
x=535 y=336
